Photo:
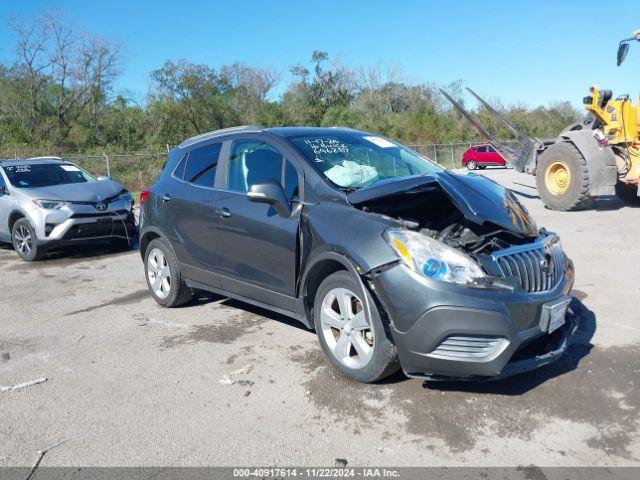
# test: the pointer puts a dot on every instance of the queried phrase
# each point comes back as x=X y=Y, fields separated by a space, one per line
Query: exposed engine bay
x=431 y=212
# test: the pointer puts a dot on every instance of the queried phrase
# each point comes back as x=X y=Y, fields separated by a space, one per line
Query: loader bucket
x=519 y=157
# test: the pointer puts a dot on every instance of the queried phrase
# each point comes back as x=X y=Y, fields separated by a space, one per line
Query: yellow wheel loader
x=599 y=155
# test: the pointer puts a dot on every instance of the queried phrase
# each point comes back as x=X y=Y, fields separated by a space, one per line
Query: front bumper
x=78 y=223
x=506 y=328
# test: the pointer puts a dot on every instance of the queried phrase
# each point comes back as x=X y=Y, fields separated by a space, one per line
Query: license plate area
x=553 y=314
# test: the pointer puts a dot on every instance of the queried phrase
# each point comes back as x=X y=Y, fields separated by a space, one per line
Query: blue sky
x=532 y=52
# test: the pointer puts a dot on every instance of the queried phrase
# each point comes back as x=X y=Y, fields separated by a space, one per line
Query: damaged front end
x=479 y=291
x=469 y=213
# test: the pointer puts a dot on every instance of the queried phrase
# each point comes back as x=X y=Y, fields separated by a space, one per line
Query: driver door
x=255 y=247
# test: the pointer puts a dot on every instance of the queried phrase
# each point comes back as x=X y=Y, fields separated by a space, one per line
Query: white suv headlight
x=50 y=204
x=432 y=258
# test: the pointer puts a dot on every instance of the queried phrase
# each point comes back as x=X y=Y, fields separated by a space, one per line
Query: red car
x=480 y=156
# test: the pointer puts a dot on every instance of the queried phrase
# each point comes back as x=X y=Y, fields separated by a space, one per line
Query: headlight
x=126 y=196
x=50 y=204
x=432 y=258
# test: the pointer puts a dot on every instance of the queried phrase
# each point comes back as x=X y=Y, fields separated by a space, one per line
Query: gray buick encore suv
x=395 y=262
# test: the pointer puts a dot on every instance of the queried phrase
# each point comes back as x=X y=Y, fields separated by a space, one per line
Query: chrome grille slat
x=469 y=347
x=537 y=267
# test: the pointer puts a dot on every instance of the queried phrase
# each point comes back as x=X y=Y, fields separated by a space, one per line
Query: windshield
x=354 y=160
x=34 y=175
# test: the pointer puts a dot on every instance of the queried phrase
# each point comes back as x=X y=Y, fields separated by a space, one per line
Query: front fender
x=601 y=161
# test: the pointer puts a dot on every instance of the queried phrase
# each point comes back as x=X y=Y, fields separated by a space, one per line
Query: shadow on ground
x=591 y=387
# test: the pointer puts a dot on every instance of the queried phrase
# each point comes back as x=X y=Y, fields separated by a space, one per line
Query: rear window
x=201 y=165
x=36 y=175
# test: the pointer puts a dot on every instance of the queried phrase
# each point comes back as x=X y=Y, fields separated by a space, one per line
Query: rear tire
x=25 y=241
x=358 y=346
x=562 y=178
x=472 y=165
x=163 y=275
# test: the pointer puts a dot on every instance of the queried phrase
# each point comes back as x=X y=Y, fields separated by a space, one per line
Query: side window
x=201 y=166
x=490 y=149
x=252 y=161
x=179 y=170
x=482 y=149
x=1 y=180
x=291 y=188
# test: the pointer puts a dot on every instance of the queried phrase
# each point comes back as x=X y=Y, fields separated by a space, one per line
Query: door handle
x=165 y=198
x=222 y=212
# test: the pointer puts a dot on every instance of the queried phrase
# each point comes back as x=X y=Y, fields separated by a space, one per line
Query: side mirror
x=270 y=192
x=3 y=190
x=623 y=48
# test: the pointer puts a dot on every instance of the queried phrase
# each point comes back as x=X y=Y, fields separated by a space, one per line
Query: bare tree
x=32 y=39
x=81 y=68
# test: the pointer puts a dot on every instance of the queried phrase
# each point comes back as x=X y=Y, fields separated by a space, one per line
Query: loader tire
x=562 y=178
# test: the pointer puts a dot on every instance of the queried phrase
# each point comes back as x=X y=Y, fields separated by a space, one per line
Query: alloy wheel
x=159 y=273
x=23 y=241
x=345 y=328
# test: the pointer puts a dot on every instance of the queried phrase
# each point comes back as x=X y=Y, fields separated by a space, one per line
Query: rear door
x=256 y=248
x=186 y=201
x=494 y=157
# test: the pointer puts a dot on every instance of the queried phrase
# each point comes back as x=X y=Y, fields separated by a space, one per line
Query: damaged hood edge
x=479 y=199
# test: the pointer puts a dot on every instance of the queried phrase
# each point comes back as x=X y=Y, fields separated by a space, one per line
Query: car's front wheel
x=164 y=277
x=357 y=343
x=472 y=165
x=25 y=241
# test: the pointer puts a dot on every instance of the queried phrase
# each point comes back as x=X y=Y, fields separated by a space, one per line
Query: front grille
x=538 y=267
x=469 y=347
x=99 y=214
x=99 y=229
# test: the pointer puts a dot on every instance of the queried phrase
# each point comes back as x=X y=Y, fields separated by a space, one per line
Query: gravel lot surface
x=130 y=383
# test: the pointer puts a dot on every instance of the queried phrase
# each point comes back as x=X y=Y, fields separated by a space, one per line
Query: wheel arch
x=14 y=216
x=600 y=161
x=320 y=268
x=148 y=235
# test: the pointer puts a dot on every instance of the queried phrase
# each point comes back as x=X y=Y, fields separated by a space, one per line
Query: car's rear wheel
x=358 y=344
x=163 y=275
x=472 y=165
x=25 y=241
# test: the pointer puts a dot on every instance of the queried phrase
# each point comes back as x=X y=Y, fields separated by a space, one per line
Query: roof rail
x=46 y=157
x=217 y=133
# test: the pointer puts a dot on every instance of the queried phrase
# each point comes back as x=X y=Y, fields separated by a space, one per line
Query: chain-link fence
x=139 y=170
x=133 y=170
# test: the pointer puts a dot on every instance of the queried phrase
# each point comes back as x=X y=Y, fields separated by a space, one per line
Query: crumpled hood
x=478 y=198
x=77 y=192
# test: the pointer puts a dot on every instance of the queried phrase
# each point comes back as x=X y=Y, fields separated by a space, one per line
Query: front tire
x=358 y=346
x=25 y=241
x=472 y=165
x=562 y=178
x=163 y=275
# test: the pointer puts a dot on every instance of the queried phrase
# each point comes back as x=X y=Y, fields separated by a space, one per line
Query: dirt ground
x=130 y=383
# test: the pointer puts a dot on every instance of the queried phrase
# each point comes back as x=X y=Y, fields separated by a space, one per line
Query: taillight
x=143 y=195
